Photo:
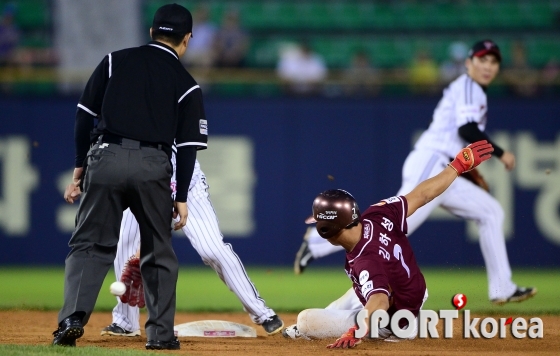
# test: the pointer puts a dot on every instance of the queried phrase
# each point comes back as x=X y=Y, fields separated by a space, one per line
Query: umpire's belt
x=129 y=143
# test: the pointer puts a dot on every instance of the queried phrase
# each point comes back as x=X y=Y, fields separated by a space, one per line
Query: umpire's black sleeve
x=89 y=107
x=471 y=133
x=82 y=128
x=192 y=128
x=186 y=157
x=91 y=100
x=192 y=135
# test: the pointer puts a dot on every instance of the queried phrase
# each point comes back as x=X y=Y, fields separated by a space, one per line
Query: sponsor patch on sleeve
x=203 y=125
x=366 y=288
x=392 y=200
x=364 y=276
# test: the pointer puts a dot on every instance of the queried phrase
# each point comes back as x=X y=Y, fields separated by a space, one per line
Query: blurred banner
x=85 y=32
x=268 y=158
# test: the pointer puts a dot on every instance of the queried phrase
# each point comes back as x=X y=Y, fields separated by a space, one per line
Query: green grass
x=200 y=290
x=443 y=284
x=24 y=350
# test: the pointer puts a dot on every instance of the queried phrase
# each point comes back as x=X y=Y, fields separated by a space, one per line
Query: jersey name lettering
x=384 y=239
x=388 y=224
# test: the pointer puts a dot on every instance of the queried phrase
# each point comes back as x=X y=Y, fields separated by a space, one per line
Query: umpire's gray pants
x=118 y=177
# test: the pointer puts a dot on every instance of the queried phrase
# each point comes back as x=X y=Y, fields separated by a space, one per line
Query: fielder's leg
x=469 y=201
x=319 y=246
x=312 y=248
x=203 y=231
x=126 y=319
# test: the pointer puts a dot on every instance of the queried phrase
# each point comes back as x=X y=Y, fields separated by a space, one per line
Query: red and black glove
x=346 y=341
x=471 y=156
x=132 y=279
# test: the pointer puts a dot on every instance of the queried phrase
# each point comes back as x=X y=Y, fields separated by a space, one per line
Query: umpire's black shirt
x=145 y=94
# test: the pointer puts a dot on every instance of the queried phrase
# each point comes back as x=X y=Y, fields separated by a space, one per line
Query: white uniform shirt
x=463 y=101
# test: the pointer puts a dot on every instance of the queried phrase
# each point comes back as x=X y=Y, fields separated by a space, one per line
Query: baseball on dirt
x=117 y=288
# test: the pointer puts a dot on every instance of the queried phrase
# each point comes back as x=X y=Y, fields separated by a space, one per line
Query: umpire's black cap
x=482 y=48
x=173 y=18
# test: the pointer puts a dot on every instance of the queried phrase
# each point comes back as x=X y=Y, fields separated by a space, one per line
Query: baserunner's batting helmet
x=334 y=210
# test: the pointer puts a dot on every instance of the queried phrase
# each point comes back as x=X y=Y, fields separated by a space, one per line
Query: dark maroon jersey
x=382 y=261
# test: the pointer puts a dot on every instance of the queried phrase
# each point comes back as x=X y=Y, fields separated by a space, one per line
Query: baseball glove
x=475 y=177
x=132 y=279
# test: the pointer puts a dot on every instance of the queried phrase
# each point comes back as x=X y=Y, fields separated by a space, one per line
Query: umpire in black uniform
x=144 y=99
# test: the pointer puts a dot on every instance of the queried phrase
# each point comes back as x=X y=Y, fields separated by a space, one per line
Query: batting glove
x=471 y=156
x=346 y=341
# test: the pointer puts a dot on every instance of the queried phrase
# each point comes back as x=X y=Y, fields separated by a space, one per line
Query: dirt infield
x=34 y=328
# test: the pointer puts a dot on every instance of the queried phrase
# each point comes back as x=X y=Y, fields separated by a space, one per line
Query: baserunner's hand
x=346 y=341
x=471 y=156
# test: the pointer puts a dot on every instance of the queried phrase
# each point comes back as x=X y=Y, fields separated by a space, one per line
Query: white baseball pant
x=337 y=318
x=204 y=234
x=468 y=201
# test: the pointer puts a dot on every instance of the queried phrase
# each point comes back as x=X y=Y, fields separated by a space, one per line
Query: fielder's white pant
x=337 y=318
x=463 y=199
x=204 y=234
x=466 y=200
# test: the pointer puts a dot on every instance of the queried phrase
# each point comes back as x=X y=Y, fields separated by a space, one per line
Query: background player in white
x=379 y=259
x=459 y=118
x=204 y=234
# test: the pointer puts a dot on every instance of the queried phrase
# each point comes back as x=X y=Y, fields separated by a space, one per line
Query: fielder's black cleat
x=68 y=331
x=519 y=295
x=273 y=325
x=163 y=345
x=115 y=330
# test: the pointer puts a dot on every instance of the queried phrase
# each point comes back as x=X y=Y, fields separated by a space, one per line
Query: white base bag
x=214 y=328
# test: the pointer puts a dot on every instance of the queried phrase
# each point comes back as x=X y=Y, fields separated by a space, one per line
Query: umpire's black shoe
x=163 y=345
x=68 y=331
x=519 y=295
x=273 y=325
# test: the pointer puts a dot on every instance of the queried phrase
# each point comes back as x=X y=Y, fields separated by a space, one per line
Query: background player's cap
x=482 y=48
x=173 y=18
x=334 y=210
